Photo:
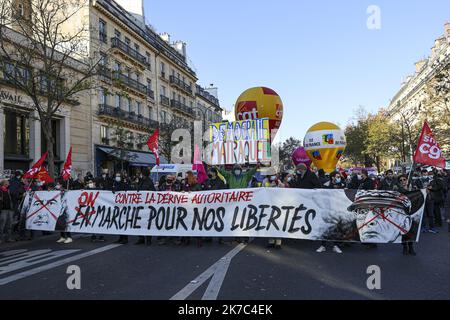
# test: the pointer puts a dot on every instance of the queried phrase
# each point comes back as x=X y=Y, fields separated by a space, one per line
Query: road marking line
x=217 y=271
x=212 y=292
x=56 y=264
x=33 y=258
x=12 y=252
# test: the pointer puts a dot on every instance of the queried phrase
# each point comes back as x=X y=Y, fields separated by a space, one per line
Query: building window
x=150 y=112
x=102 y=97
x=128 y=104
x=149 y=84
x=117 y=66
x=136 y=47
x=163 y=91
x=118 y=101
x=104 y=133
x=102 y=33
x=149 y=61
x=103 y=59
x=16 y=134
x=138 y=108
x=184 y=100
x=127 y=41
x=174 y=96
x=163 y=70
x=117 y=34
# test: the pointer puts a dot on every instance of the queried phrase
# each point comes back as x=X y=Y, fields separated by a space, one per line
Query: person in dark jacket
x=322 y=177
x=214 y=182
x=436 y=188
x=336 y=181
x=389 y=183
x=16 y=190
x=6 y=212
x=120 y=185
x=145 y=184
x=366 y=183
x=306 y=179
x=354 y=181
x=104 y=182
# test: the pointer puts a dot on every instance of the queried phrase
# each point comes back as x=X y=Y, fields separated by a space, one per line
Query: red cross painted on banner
x=44 y=206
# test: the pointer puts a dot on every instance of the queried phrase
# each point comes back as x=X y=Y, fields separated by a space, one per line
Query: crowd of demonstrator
x=437 y=184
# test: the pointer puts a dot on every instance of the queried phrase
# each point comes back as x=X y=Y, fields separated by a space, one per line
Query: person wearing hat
x=305 y=179
x=386 y=216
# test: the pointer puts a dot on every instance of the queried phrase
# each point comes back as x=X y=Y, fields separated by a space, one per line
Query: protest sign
x=240 y=142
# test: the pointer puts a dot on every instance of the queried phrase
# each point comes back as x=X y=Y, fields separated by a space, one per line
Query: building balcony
x=165 y=101
x=130 y=83
x=182 y=108
x=129 y=53
x=207 y=96
x=122 y=115
x=181 y=84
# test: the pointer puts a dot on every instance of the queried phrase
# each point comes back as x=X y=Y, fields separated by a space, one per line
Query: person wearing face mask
x=366 y=182
x=169 y=185
x=237 y=179
x=214 y=182
x=389 y=183
x=354 y=181
x=120 y=185
x=104 y=181
x=145 y=184
x=305 y=179
x=274 y=182
x=336 y=182
x=77 y=184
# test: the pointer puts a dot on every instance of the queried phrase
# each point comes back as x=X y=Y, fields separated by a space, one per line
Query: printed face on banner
x=43 y=208
x=382 y=224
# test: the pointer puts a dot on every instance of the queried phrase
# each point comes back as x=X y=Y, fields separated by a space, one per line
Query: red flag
x=428 y=151
x=36 y=168
x=198 y=166
x=67 y=171
x=153 y=146
x=43 y=176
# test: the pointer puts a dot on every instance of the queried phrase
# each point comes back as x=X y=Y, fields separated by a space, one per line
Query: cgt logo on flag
x=428 y=151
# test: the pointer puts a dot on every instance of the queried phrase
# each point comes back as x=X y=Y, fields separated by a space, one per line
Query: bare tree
x=44 y=53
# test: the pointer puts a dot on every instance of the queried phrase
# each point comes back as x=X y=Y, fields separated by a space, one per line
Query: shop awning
x=134 y=158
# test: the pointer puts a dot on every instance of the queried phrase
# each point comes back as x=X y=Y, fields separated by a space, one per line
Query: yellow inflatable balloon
x=325 y=143
x=259 y=103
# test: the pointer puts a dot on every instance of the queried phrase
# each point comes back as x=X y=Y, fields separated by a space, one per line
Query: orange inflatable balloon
x=259 y=103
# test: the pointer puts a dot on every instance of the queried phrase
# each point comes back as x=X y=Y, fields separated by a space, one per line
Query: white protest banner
x=331 y=215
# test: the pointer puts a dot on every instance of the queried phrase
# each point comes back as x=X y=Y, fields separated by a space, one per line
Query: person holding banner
x=6 y=212
x=436 y=188
x=145 y=184
x=305 y=179
x=119 y=185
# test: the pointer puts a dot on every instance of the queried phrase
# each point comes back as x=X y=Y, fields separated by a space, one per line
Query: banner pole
x=411 y=172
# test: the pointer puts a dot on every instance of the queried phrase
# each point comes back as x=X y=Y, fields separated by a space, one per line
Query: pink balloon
x=300 y=156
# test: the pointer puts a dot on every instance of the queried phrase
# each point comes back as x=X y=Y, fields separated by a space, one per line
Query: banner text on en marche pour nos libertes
x=278 y=213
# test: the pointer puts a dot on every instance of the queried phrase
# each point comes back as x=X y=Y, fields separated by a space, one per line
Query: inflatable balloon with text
x=325 y=143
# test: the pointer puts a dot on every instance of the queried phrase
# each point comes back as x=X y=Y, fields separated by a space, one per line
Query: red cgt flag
x=67 y=171
x=44 y=176
x=153 y=146
x=36 y=168
x=428 y=151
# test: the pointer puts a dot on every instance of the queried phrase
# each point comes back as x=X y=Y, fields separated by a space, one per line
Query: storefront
x=117 y=160
x=21 y=137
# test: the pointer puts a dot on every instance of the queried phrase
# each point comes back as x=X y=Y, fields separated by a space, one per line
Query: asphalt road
x=38 y=270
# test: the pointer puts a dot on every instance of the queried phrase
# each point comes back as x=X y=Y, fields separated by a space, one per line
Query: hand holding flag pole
x=153 y=145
